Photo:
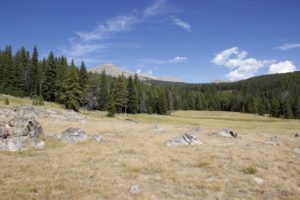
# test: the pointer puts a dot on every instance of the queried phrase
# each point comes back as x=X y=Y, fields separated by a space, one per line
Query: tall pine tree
x=71 y=95
x=132 y=103
x=49 y=86
x=120 y=94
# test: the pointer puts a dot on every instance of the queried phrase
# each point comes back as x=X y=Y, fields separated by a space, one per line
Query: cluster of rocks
x=225 y=133
x=185 y=139
x=23 y=132
x=20 y=133
x=29 y=111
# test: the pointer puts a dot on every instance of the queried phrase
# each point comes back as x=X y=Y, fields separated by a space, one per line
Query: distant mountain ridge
x=115 y=71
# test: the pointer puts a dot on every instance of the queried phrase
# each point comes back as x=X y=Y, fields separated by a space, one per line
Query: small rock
x=40 y=145
x=297 y=135
x=98 y=138
x=134 y=189
x=297 y=150
x=258 y=180
x=157 y=127
x=185 y=139
x=273 y=141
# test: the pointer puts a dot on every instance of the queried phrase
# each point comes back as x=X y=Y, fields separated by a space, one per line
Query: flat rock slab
x=185 y=139
x=30 y=111
x=225 y=133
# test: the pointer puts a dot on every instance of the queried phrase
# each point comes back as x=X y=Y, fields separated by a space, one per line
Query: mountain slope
x=116 y=71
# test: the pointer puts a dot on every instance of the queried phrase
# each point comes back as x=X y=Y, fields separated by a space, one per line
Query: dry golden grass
x=135 y=154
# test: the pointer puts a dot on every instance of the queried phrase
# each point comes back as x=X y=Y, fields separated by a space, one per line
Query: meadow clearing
x=134 y=154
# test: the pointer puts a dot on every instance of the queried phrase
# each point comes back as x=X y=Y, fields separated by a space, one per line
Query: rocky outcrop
x=20 y=134
x=185 y=139
x=76 y=135
x=29 y=111
x=226 y=133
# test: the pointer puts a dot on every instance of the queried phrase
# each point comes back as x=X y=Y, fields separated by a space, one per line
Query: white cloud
x=282 y=67
x=241 y=67
x=88 y=44
x=288 y=46
x=80 y=49
x=150 y=72
x=179 y=22
x=138 y=71
x=107 y=29
x=177 y=59
x=156 y=8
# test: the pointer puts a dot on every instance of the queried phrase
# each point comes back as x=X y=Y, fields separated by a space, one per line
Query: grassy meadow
x=134 y=153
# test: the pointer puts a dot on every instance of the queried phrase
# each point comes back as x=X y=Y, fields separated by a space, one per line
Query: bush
x=250 y=170
x=38 y=101
x=6 y=102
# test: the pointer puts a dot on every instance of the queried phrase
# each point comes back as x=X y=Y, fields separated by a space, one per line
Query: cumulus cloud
x=241 y=67
x=282 y=67
x=183 y=24
x=288 y=46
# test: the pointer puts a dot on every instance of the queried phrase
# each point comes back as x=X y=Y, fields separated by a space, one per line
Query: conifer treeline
x=56 y=80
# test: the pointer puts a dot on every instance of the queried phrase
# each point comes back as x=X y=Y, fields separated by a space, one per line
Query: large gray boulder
x=20 y=134
x=184 y=139
x=75 y=135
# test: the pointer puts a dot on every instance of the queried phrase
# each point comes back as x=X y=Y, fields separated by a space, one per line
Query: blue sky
x=193 y=40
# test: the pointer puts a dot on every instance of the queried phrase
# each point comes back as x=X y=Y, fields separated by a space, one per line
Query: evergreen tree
x=275 y=108
x=296 y=108
x=71 y=95
x=286 y=110
x=103 y=94
x=83 y=76
x=61 y=76
x=161 y=104
x=132 y=103
x=49 y=85
x=120 y=94
x=9 y=75
x=34 y=71
x=111 y=107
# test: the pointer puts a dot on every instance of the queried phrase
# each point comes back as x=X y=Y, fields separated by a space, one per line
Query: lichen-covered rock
x=185 y=139
x=73 y=136
x=19 y=134
x=20 y=143
x=24 y=126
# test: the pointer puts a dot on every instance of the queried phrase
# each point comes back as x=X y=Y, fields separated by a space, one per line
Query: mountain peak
x=115 y=71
